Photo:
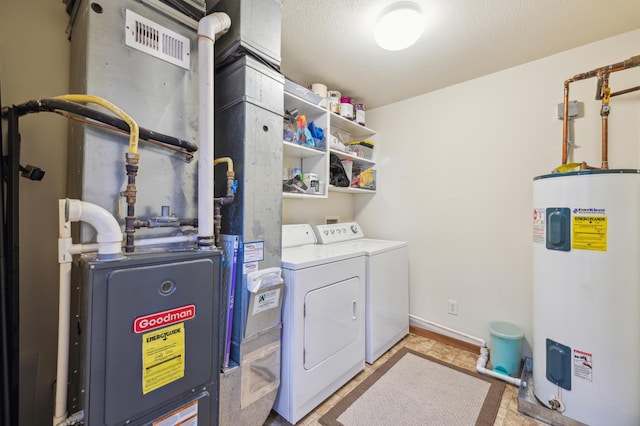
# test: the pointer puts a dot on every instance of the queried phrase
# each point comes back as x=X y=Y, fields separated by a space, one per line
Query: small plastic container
x=359 y=113
x=347 y=163
x=506 y=348
x=362 y=149
x=346 y=107
x=334 y=101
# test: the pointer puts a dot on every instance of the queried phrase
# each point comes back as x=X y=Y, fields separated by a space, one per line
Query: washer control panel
x=338 y=232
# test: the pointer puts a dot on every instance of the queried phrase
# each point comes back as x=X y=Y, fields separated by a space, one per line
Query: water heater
x=586 y=295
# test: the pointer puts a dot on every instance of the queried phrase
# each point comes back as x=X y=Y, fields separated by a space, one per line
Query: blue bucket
x=506 y=347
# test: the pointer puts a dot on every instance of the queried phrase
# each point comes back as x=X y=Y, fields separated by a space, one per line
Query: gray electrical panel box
x=147 y=331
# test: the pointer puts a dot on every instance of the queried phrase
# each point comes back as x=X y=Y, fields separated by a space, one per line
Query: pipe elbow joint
x=109 y=234
x=214 y=25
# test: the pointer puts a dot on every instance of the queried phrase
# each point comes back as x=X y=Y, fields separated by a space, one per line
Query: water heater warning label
x=589 y=233
x=582 y=365
x=538 y=226
x=162 y=357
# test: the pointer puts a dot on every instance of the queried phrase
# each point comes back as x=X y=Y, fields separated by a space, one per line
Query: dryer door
x=332 y=320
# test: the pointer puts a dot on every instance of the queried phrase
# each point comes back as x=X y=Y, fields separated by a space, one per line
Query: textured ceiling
x=331 y=41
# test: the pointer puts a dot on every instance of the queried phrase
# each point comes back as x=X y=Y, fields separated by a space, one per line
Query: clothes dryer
x=323 y=321
x=387 y=284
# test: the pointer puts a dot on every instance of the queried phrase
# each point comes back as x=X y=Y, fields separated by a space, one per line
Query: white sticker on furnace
x=267 y=300
x=582 y=365
x=184 y=416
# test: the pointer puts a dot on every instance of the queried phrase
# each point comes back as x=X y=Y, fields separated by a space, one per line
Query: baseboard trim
x=466 y=346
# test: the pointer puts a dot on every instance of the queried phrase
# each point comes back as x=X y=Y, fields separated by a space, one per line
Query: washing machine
x=387 y=284
x=323 y=320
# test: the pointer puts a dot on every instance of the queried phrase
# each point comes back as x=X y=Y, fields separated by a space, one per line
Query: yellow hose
x=227 y=160
x=133 y=126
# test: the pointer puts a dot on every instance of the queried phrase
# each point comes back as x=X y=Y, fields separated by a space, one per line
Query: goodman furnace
x=146 y=331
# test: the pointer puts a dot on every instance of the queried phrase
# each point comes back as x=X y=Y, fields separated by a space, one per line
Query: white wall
x=314 y=211
x=34 y=63
x=455 y=171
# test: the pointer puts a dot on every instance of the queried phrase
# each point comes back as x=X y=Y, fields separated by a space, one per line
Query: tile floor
x=508 y=414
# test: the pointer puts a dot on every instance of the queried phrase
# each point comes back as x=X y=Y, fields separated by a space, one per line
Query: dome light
x=399 y=26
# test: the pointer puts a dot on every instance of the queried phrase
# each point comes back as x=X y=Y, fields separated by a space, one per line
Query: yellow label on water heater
x=162 y=357
x=589 y=233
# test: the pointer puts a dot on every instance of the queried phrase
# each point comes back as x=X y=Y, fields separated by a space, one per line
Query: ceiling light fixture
x=399 y=26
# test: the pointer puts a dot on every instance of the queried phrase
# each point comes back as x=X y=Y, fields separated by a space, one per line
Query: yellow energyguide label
x=589 y=233
x=162 y=357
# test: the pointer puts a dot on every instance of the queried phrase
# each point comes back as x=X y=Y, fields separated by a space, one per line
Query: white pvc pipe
x=482 y=369
x=208 y=27
x=83 y=248
x=64 y=307
x=450 y=330
x=109 y=247
x=165 y=240
x=109 y=233
x=481 y=364
x=141 y=242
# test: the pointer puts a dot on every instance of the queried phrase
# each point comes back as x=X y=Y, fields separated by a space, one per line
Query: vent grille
x=156 y=40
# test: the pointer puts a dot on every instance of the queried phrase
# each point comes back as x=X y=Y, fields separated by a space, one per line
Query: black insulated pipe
x=52 y=104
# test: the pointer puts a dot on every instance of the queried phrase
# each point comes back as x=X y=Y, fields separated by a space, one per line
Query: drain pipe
x=481 y=364
x=208 y=27
x=109 y=248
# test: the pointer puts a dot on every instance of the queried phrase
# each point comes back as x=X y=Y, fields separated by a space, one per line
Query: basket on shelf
x=363 y=149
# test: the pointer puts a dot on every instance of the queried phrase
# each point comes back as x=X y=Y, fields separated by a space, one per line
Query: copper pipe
x=634 y=61
x=605 y=142
x=622 y=92
x=604 y=113
x=603 y=92
x=585 y=166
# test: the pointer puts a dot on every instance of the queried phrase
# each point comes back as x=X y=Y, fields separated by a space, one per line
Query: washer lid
x=314 y=255
x=372 y=247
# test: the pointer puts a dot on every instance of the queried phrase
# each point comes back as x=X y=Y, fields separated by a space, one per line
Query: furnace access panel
x=148 y=329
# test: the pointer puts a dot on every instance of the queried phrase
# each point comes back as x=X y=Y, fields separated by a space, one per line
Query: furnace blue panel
x=559 y=364
x=558 y=228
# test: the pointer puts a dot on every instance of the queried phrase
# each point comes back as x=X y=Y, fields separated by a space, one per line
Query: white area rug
x=415 y=389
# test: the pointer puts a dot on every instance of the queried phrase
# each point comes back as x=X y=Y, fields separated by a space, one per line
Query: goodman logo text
x=163 y=319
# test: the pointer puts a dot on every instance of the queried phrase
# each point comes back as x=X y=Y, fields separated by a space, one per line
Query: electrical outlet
x=453 y=307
